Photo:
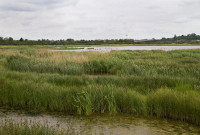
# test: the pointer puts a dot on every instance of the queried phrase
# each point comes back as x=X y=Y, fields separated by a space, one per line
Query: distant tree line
x=21 y=41
x=190 y=38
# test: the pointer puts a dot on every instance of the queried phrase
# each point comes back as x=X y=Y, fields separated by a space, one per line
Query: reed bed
x=138 y=63
x=146 y=83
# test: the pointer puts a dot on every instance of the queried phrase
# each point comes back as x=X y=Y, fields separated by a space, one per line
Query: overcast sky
x=98 y=19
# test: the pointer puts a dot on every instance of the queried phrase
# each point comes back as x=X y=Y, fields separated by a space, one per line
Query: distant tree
x=70 y=41
x=175 y=37
x=10 y=39
x=21 y=39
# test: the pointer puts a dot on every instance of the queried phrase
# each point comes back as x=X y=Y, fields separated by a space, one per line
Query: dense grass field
x=145 y=83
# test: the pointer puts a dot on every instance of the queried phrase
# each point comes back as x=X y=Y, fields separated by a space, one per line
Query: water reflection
x=108 y=125
x=111 y=48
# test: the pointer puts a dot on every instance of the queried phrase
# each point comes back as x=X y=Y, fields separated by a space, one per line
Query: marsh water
x=107 y=125
x=117 y=48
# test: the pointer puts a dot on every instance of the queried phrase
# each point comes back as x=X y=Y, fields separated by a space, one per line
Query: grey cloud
x=186 y=3
x=51 y=3
x=95 y=19
x=17 y=8
x=43 y=2
x=34 y=5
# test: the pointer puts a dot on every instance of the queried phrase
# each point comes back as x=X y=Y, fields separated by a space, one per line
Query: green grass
x=8 y=127
x=125 y=63
x=173 y=104
x=24 y=64
x=145 y=83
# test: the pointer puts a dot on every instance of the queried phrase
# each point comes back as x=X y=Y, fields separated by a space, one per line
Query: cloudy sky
x=98 y=19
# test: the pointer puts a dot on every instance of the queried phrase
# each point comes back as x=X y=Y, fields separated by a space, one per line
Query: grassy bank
x=146 y=83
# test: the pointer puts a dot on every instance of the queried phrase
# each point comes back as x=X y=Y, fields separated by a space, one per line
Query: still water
x=108 y=125
x=117 y=48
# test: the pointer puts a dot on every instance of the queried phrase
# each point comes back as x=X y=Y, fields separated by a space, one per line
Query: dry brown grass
x=77 y=57
x=8 y=52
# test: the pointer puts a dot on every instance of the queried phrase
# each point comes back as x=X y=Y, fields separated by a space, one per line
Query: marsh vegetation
x=141 y=83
